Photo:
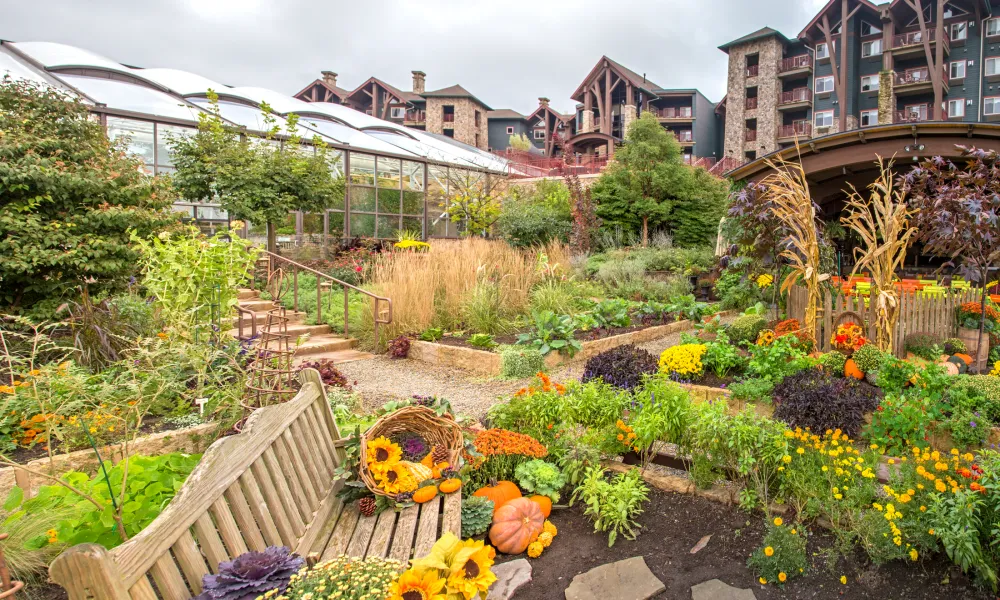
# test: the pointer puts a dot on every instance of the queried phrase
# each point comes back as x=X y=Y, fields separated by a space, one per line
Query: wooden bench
x=272 y=485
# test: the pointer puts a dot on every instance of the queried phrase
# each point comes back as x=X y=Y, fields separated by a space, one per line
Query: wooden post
x=88 y=571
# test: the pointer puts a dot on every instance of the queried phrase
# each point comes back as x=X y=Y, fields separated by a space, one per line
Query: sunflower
x=765 y=338
x=395 y=479
x=418 y=584
x=472 y=575
x=381 y=453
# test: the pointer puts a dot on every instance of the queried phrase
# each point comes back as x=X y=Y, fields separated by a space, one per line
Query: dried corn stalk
x=788 y=190
x=883 y=224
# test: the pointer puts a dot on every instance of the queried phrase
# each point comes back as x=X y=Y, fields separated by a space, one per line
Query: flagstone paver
x=628 y=579
x=714 y=589
x=510 y=576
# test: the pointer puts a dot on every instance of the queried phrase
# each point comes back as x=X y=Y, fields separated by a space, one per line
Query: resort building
x=857 y=64
x=397 y=179
x=452 y=111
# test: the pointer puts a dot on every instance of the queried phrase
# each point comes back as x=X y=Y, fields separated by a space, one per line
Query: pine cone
x=439 y=454
x=367 y=506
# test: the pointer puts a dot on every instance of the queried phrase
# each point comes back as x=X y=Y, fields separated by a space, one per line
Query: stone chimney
x=543 y=101
x=419 y=78
x=330 y=78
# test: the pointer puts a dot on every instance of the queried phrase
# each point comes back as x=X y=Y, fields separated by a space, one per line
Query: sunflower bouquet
x=848 y=338
x=454 y=570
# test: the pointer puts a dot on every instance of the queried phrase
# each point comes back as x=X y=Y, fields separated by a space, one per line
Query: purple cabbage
x=252 y=574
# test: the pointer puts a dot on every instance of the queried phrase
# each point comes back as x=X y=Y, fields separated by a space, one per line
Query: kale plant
x=251 y=575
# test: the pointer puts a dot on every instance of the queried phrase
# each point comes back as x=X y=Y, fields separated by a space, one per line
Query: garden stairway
x=319 y=342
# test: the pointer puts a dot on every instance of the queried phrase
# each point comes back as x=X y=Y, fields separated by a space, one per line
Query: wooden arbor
x=271 y=485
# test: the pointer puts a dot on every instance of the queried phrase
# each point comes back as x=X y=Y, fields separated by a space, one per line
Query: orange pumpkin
x=500 y=493
x=543 y=502
x=965 y=358
x=851 y=370
x=515 y=525
x=450 y=485
x=425 y=494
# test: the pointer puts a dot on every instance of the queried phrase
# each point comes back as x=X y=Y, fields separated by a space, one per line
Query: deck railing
x=909 y=116
x=674 y=112
x=751 y=103
x=416 y=116
x=796 y=95
x=915 y=37
x=448 y=117
x=794 y=62
x=753 y=70
x=802 y=130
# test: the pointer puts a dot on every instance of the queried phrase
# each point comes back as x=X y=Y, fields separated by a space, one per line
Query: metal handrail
x=253 y=321
x=296 y=267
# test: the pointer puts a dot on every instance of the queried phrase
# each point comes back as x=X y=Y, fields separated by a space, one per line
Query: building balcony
x=795 y=99
x=415 y=117
x=677 y=114
x=916 y=81
x=753 y=71
x=448 y=117
x=912 y=43
x=685 y=138
x=788 y=133
x=751 y=135
x=911 y=115
x=795 y=66
x=751 y=103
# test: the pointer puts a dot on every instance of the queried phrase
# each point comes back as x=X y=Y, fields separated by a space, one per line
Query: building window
x=869 y=83
x=539 y=134
x=510 y=131
x=991 y=106
x=957 y=70
x=916 y=112
x=822 y=51
x=959 y=31
x=956 y=109
x=872 y=48
x=992 y=66
x=397 y=112
x=869 y=118
x=993 y=26
x=824 y=119
x=478 y=118
x=824 y=84
x=869 y=29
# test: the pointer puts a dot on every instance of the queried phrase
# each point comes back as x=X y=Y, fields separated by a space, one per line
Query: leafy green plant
x=477 y=514
x=754 y=390
x=551 y=332
x=968 y=429
x=686 y=307
x=776 y=360
x=781 y=557
x=660 y=414
x=613 y=506
x=746 y=328
x=518 y=362
x=895 y=374
x=540 y=477
x=968 y=539
x=612 y=313
x=721 y=357
x=482 y=340
x=900 y=422
x=432 y=334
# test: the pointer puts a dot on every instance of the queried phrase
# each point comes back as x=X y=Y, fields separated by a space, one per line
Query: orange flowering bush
x=786 y=327
x=544 y=384
x=499 y=453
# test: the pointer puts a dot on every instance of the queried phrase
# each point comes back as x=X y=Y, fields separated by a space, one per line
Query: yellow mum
x=545 y=539
x=683 y=360
x=548 y=527
x=535 y=549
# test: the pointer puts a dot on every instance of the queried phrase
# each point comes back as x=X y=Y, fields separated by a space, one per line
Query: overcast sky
x=507 y=53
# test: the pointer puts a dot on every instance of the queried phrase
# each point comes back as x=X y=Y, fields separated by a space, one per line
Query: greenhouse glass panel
x=388 y=201
x=388 y=173
x=336 y=159
x=138 y=135
x=412 y=202
x=362 y=169
x=133 y=98
x=362 y=225
x=437 y=218
x=388 y=227
x=413 y=175
x=336 y=224
x=164 y=136
x=414 y=226
x=362 y=199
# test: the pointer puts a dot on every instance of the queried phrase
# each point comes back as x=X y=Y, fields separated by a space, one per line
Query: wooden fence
x=918 y=313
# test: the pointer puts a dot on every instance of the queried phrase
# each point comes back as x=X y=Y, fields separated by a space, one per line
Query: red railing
x=795 y=62
x=910 y=116
x=915 y=37
x=684 y=136
x=415 y=116
x=449 y=117
x=751 y=135
x=917 y=75
x=753 y=70
x=752 y=103
x=796 y=95
x=726 y=164
x=802 y=130
x=522 y=165
x=674 y=112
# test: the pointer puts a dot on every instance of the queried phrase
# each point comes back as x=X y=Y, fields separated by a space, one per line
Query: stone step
x=325 y=343
x=295 y=330
x=257 y=305
x=248 y=294
x=337 y=356
x=294 y=318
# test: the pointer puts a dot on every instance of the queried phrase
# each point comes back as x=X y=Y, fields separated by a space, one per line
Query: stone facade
x=628 y=115
x=464 y=125
x=769 y=52
x=588 y=121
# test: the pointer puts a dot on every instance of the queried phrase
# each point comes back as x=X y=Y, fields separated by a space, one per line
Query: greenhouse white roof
x=177 y=95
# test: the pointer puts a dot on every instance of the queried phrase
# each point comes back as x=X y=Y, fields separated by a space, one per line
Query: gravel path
x=381 y=379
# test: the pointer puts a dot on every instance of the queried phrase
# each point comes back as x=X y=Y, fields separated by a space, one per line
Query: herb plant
x=721 y=357
x=551 y=332
x=613 y=506
x=924 y=345
x=482 y=340
x=777 y=360
x=899 y=423
x=518 y=362
x=753 y=390
x=540 y=477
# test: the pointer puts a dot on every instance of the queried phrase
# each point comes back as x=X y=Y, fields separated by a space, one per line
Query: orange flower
x=501 y=441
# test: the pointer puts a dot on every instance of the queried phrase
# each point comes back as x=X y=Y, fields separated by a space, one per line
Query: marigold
x=782 y=577
x=545 y=539
x=778 y=521
x=769 y=551
x=535 y=549
x=548 y=527
x=843 y=579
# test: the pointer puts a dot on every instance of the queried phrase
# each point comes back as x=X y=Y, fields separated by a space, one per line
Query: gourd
x=425 y=494
x=450 y=485
x=851 y=370
x=965 y=357
x=420 y=472
x=515 y=525
x=500 y=493
x=544 y=503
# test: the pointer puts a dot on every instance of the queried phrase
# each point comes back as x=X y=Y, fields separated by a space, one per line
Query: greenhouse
x=399 y=179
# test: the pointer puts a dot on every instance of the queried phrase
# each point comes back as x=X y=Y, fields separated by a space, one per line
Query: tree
x=585 y=221
x=477 y=200
x=648 y=185
x=520 y=142
x=958 y=214
x=68 y=199
x=257 y=180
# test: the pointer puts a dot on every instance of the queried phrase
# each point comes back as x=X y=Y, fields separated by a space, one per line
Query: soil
x=44 y=591
x=673 y=523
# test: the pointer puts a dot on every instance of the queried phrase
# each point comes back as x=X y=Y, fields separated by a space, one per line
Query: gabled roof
x=334 y=89
x=760 y=34
x=865 y=4
x=984 y=5
x=453 y=91
x=506 y=114
x=720 y=108
x=558 y=115
x=404 y=96
x=628 y=74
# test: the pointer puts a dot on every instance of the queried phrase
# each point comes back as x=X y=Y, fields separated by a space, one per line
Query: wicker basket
x=437 y=431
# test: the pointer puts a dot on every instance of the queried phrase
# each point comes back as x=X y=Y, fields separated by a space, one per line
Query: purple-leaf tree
x=958 y=214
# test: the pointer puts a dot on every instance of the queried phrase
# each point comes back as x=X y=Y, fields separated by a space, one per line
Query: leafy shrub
x=252 y=574
x=895 y=374
x=868 y=358
x=683 y=361
x=482 y=340
x=328 y=372
x=737 y=292
x=968 y=429
x=924 y=345
x=721 y=357
x=833 y=363
x=477 y=514
x=612 y=313
x=983 y=392
x=432 y=334
x=776 y=361
x=623 y=367
x=753 y=390
x=596 y=403
x=540 y=477
x=523 y=224
x=815 y=400
x=399 y=347
x=954 y=346
x=746 y=328
x=686 y=307
x=659 y=414
x=617 y=273
x=518 y=362
x=899 y=423
x=552 y=332
x=353 y=578
x=781 y=557
x=613 y=506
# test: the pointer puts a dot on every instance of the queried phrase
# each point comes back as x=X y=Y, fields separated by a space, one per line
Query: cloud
x=508 y=54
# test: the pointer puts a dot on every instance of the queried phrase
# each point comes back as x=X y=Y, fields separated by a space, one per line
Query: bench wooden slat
x=244 y=517
x=362 y=535
x=274 y=503
x=189 y=558
x=259 y=509
x=402 y=540
x=310 y=480
x=270 y=471
x=168 y=579
x=142 y=590
x=342 y=532
x=228 y=529
x=306 y=453
x=210 y=542
x=379 y=545
x=324 y=443
x=452 y=514
x=296 y=475
x=318 y=533
x=427 y=528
